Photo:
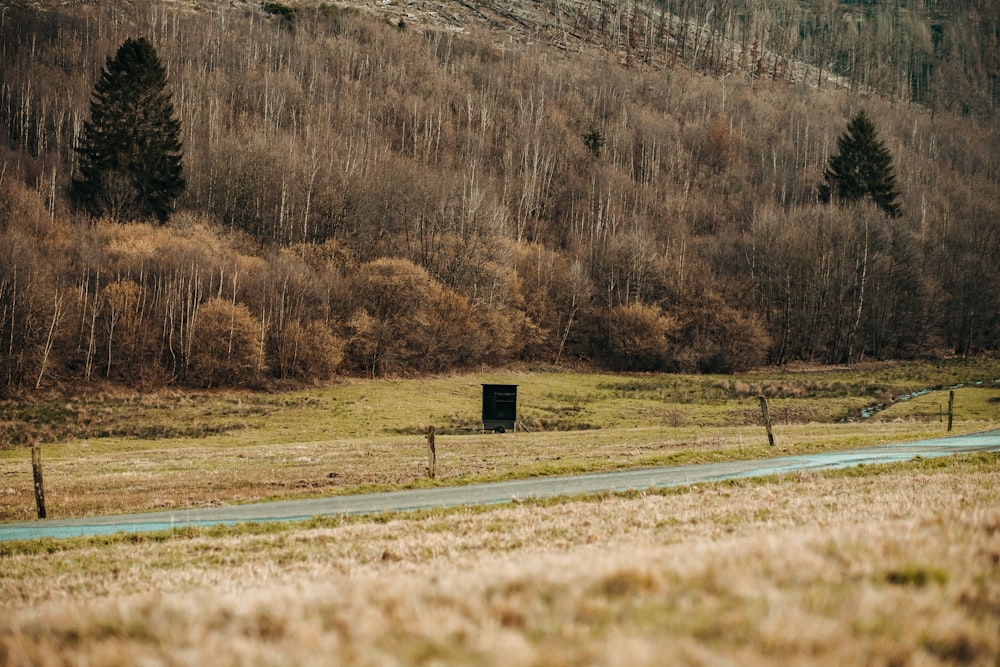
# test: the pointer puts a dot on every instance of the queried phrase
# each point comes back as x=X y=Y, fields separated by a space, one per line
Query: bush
x=718 y=338
x=128 y=342
x=310 y=352
x=225 y=345
x=284 y=12
x=639 y=338
x=391 y=325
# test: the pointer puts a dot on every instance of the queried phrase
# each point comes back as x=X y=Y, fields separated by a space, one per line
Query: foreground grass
x=879 y=565
x=176 y=450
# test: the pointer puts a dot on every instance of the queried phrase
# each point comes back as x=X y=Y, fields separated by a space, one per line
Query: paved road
x=500 y=492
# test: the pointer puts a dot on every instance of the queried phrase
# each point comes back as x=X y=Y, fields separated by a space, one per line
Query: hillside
x=398 y=188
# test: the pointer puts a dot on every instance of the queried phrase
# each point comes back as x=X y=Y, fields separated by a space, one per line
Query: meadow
x=881 y=565
x=121 y=452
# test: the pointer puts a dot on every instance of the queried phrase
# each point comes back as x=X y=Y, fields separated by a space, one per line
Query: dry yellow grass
x=892 y=566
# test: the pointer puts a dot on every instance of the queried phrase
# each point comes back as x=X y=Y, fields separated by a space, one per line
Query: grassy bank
x=175 y=450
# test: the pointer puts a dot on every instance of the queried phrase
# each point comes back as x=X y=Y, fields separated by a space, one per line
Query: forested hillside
x=410 y=188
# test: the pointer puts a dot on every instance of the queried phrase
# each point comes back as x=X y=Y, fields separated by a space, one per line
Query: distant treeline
x=384 y=199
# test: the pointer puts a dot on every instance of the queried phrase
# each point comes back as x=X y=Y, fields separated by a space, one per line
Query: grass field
x=125 y=453
x=878 y=565
x=883 y=565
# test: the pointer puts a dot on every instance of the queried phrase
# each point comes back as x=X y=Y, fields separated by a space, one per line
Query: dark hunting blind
x=499 y=407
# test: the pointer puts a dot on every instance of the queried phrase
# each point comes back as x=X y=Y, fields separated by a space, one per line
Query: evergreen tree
x=130 y=152
x=862 y=168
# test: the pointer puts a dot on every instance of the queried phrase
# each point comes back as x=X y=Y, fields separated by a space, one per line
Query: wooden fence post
x=36 y=469
x=431 y=454
x=767 y=419
x=951 y=407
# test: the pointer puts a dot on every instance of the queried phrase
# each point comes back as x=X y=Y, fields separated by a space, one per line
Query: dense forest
x=377 y=190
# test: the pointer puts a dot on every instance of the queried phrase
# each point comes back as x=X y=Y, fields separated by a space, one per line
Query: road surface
x=499 y=492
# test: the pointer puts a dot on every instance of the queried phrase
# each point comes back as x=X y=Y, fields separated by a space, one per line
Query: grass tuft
x=916 y=576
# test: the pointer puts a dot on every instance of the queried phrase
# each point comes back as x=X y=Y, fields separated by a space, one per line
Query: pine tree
x=129 y=155
x=862 y=168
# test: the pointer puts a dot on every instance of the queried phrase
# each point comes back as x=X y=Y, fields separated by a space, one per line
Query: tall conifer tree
x=862 y=168
x=129 y=155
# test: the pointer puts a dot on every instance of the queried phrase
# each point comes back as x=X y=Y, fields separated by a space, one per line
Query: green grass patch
x=548 y=401
x=916 y=576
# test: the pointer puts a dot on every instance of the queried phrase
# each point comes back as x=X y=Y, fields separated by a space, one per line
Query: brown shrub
x=128 y=342
x=225 y=346
x=311 y=352
x=639 y=338
x=718 y=338
x=393 y=303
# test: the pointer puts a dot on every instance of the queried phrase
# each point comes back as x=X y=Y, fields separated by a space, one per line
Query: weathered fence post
x=431 y=454
x=951 y=407
x=36 y=469
x=767 y=419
